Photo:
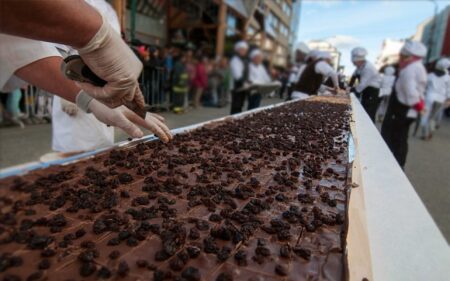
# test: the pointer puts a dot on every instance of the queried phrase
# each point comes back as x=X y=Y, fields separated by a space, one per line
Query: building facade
x=435 y=34
x=211 y=25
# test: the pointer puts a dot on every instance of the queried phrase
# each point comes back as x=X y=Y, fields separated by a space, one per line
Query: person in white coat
x=387 y=83
x=407 y=100
x=239 y=72
x=369 y=82
x=437 y=94
x=74 y=130
x=257 y=75
x=301 y=55
x=79 y=25
x=311 y=79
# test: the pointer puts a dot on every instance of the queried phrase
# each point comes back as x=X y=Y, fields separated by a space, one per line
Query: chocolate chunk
x=87 y=269
x=39 y=241
x=194 y=234
x=193 y=251
x=281 y=270
x=35 y=276
x=224 y=254
x=262 y=251
x=285 y=251
x=176 y=264
x=46 y=253
x=142 y=263
x=125 y=178
x=104 y=273
x=302 y=252
x=123 y=269
x=44 y=264
x=11 y=277
x=241 y=258
x=191 y=274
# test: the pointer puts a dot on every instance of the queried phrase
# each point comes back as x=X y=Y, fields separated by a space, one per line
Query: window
x=286 y=9
x=231 y=25
x=284 y=30
x=273 y=20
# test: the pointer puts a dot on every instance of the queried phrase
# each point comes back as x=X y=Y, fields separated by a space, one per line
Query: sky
x=351 y=23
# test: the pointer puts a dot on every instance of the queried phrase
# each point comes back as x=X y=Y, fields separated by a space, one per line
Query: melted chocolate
x=260 y=198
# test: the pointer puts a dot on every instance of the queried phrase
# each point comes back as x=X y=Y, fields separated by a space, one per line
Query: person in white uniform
x=74 y=130
x=437 y=93
x=369 y=82
x=239 y=72
x=301 y=55
x=79 y=25
x=407 y=100
x=317 y=71
x=387 y=83
x=257 y=75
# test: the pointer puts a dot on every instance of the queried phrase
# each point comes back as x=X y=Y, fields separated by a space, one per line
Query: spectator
x=180 y=83
x=239 y=71
x=257 y=75
x=437 y=93
x=200 y=81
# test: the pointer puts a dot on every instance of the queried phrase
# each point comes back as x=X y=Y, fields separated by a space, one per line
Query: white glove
x=108 y=56
x=68 y=107
x=124 y=118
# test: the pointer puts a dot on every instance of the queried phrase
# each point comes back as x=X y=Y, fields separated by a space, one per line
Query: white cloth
x=17 y=52
x=302 y=47
x=237 y=67
x=296 y=95
x=258 y=74
x=368 y=77
x=83 y=131
x=359 y=54
x=327 y=71
x=255 y=52
x=387 y=83
x=411 y=84
x=78 y=133
x=414 y=48
x=241 y=45
x=443 y=64
x=438 y=88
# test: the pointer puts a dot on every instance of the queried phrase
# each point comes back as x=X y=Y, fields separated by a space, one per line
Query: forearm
x=71 y=22
x=45 y=75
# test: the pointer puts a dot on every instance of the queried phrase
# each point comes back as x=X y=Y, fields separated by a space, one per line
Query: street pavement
x=428 y=163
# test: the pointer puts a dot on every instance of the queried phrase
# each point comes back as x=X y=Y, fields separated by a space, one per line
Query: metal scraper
x=74 y=68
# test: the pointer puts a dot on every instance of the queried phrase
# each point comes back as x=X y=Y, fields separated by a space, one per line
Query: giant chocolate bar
x=258 y=198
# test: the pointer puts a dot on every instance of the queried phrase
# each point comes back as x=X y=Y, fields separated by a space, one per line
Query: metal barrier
x=154 y=85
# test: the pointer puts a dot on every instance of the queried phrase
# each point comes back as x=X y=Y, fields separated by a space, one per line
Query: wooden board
x=358 y=249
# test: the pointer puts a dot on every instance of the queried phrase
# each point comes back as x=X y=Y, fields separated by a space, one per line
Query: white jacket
x=438 y=88
x=411 y=83
x=258 y=74
x=368 y=77
x=387 y=83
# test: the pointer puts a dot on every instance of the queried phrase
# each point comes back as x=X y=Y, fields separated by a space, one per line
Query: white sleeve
x=368 y=74
x=236 y=68
x=17 y=52
x=448 y=86
x=416 y=83
x=326 y=70
x=266 y=76
x=293 y=74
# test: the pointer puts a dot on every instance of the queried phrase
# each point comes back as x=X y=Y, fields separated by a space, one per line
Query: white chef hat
x=313 y=54
x=324 y=55
x=255 y=52
x=302 y=47
x=414 y=48
x=389 y=70
x=359 y=54
x=240 y=45
x=443 y=64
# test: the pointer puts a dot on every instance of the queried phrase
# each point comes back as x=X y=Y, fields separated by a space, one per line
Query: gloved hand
x=124 y=118
x=68 y=107
x=108 y=56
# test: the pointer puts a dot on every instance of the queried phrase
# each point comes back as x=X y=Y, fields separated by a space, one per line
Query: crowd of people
x=182 y=78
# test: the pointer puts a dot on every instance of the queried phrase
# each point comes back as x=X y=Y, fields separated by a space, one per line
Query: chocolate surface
x=259 y=198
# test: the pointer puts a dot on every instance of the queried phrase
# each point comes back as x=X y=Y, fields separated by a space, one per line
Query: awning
x=238 y=6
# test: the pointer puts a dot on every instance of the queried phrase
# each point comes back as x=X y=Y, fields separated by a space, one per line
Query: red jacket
x=201 y=77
